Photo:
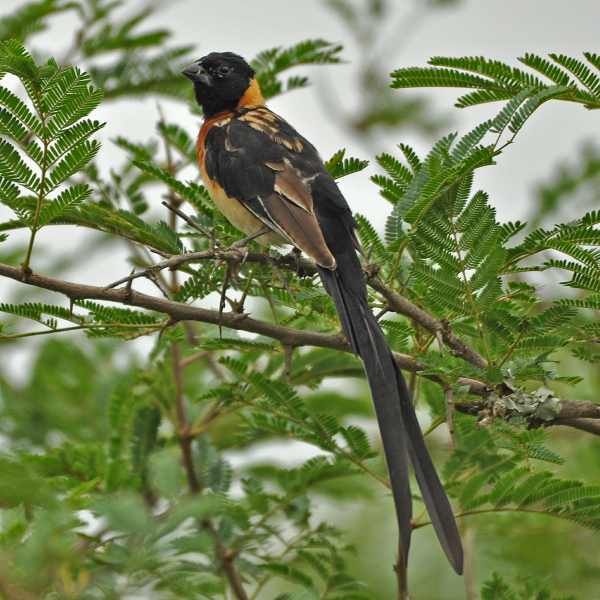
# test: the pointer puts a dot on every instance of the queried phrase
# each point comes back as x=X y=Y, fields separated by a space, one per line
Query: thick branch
x=584 y=416
x=179 y=311
x=396 y=302
x=570 y=413
x=571 y=409
x=587 y=425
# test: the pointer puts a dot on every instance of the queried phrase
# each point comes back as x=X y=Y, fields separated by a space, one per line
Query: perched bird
x=262 y=173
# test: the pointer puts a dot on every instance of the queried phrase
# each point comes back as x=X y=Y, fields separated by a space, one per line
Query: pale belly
x=241 y=218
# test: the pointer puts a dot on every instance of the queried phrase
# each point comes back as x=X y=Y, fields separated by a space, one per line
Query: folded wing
x=261 y=162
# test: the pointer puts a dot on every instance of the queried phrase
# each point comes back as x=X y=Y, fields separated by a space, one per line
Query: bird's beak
x=197 y=74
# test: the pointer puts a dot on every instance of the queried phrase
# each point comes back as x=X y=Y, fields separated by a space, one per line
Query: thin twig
x=205 y=232
x=184 y=439
x=260 y=584
x=41 y=195
x=470 y=580
x=170 y=263
x=227 y=559
x=192 y=358
x=147 y=327
x=157 y=277
x=450 y=416
x=467 y=534
x=400 y=304
x=232 y=253
x=503 y=509
x=288 y=353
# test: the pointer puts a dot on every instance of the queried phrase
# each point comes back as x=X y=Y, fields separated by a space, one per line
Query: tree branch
x=401 y=574
x=396 y=302
x=569 y=410
x=572 y=409
x=583 y=424
x=581 y=415
x=178 y=311
x=183 y=433
x=401 y=305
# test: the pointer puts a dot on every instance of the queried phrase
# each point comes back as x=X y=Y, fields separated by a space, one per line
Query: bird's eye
x=222 y=71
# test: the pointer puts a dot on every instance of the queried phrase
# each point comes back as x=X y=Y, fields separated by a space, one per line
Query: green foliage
x=497 y=589
x=504 y=483
x=493 y=80
x=35 y=312
x=340 y=166
x=282 y=412
x=462 y=259
x=175 y=452
x=31 y=18
x=52 y=133
x=269 y=64
x=123 y=36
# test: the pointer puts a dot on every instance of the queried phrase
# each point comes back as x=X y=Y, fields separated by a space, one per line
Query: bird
x=270 y=182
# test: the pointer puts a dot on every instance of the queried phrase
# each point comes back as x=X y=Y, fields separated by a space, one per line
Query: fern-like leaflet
x=54 y=136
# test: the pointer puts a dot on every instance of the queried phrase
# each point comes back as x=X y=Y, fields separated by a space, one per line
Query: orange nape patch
x=252 y=96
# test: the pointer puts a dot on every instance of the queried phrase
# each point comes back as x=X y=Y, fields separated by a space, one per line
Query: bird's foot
x=295 y=255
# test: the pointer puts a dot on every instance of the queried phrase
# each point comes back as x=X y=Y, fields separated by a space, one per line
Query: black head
x=220 y=80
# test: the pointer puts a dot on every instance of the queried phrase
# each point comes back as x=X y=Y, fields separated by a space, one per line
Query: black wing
x=264 y=163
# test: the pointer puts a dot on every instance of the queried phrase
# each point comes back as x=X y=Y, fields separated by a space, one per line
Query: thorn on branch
x=128 y=287
x=26 y=273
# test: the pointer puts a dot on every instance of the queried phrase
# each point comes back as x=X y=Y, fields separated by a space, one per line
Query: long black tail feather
x=432 y=490
x=400 y=431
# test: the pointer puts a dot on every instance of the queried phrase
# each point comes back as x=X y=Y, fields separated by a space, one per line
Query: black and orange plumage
x=261 y=172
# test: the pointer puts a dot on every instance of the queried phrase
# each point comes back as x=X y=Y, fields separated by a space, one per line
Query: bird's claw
x=296 y=255
x=242 y=252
